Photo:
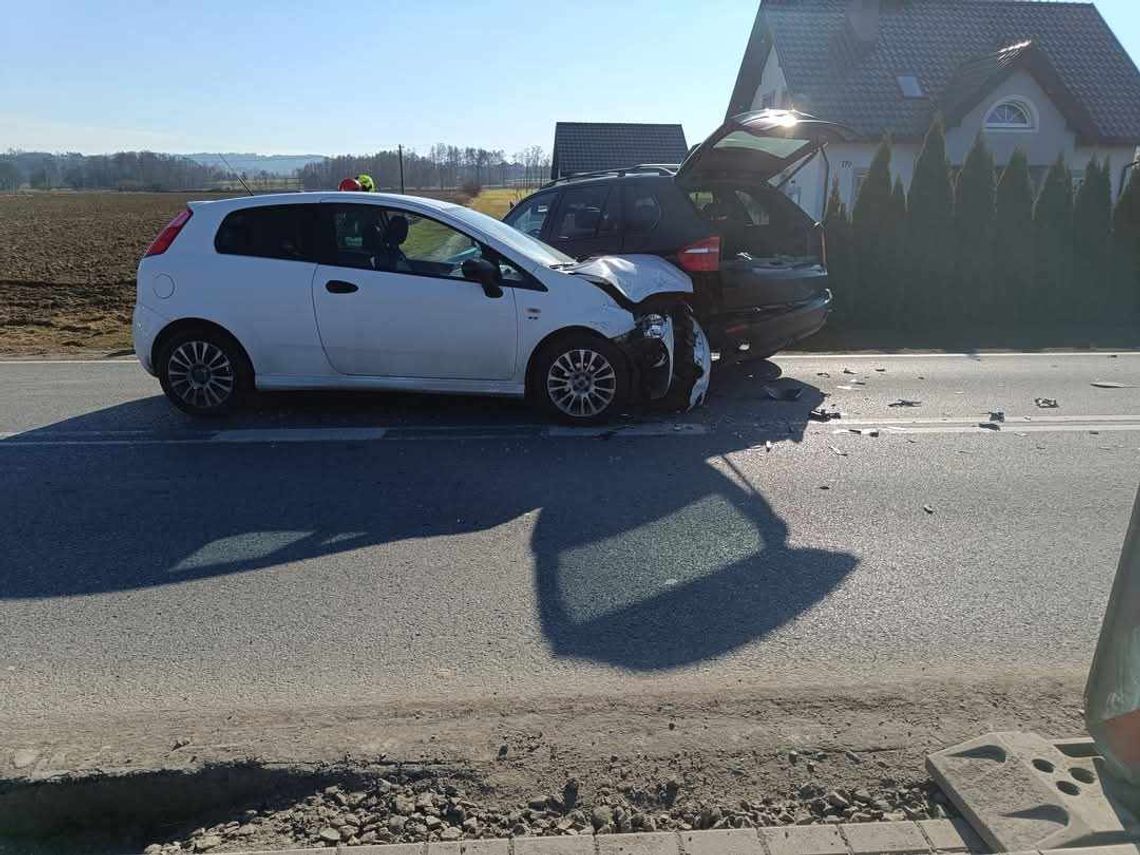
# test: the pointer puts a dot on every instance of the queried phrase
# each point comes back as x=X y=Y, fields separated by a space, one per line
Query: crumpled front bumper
x=649 y=347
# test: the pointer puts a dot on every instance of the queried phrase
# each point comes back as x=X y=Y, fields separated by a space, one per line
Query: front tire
x=204 y=372
x=581 y=379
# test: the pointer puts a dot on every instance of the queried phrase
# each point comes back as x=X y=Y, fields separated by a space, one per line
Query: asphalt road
x=330 y=549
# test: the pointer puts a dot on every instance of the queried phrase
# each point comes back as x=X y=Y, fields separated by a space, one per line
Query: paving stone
x=490 y=846
x=727 y=841
x=952 y=835
x=804 y=840
x=884 y=838
x=582 y=844
x=650 y=843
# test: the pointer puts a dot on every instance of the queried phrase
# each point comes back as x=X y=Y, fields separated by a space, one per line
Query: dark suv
x=757 y=260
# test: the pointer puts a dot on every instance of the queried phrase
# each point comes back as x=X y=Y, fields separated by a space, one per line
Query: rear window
x=585 y=212
x=731 y=205
x=273 y=231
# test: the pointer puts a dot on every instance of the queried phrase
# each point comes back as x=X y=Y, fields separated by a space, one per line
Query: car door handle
x=339 y=286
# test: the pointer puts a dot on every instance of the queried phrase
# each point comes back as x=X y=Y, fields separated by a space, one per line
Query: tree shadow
x=650 y=553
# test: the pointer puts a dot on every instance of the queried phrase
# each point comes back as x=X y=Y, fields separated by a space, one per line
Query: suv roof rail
x=646 y=168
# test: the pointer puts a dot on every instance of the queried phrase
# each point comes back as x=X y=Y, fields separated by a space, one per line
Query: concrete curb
x=925 y=837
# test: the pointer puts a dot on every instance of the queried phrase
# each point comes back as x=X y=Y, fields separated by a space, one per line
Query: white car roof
x=312 y=197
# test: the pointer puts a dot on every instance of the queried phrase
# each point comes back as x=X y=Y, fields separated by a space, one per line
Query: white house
x=1046 y=77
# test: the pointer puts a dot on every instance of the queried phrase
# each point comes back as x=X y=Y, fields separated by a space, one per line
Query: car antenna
x=236 y=174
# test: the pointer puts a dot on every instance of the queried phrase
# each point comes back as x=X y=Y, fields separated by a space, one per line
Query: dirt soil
x=752 y=757
x=68 y=267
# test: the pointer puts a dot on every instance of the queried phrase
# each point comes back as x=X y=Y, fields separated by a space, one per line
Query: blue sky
x=295 y=77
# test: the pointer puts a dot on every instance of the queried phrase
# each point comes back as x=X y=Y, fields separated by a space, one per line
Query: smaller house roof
x=595 y=146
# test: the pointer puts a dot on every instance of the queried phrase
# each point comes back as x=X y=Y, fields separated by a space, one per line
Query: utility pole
x=400 y=152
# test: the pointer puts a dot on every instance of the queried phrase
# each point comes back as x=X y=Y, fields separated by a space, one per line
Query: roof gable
x=594 y=146
x=952 y=47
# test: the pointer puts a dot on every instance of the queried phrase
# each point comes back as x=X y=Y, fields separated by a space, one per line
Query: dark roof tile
x=594 y=146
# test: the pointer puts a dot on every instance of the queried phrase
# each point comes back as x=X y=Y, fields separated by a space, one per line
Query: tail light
x=702 y=256
x=166 y=237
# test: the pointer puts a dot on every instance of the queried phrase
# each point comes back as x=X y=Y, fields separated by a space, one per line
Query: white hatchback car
x=378 y=291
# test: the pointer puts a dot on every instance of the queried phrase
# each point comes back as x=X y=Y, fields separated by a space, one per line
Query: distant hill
x=274 y=164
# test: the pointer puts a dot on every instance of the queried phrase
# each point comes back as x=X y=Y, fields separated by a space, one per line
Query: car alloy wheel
x=581 y=383
x=201 y=374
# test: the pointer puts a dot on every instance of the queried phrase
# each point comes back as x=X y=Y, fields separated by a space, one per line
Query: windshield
x=523 y=244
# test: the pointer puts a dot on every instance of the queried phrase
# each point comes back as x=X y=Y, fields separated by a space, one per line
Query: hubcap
x=200 y=374
x=581 y=383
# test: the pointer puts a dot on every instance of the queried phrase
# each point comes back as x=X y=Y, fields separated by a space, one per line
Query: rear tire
x=580 y=379
x=204 y=372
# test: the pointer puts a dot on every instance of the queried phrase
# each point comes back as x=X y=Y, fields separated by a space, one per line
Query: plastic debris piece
x=905 y=402
x=928 y=509
x=865 y=431
x=858 y=382
x=767 y=445
x=911 y=439
x=848 y=371
x=838 y=451
x=824 y=487
x=881 y=370
x=997 y=416
x=989 y=425
x=786 y=393
x=1046 y=403
x=822 y=374
x=1111 y=384
x=823 y=414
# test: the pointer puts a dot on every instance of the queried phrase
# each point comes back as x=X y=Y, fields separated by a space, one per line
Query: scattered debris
x=824 y=487
x=784 y=394
x=864 y=431
x=822 y=374
x=1021 y=433
x=1111 y=384
x=881 y=370
x=911 y=439
x=997 y=416
x=905 y=402
x=920 y=377
x=858 y=382
x=928 y=509
x=1046 y=403
x=838 y=451
x=823 y=414
x=1095 y=432
x=180 y=742
x=848 y=371
x=989 y=425
x=767 y=445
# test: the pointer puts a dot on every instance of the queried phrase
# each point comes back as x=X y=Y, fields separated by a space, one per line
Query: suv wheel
x=204 y=372
x=581 y=379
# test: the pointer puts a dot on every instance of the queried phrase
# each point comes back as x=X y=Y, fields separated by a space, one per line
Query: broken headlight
x=652 y=326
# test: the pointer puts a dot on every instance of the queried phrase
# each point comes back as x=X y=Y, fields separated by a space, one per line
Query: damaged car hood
x=635 y=277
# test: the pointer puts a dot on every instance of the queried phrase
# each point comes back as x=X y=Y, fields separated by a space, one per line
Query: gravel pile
x=404 y=808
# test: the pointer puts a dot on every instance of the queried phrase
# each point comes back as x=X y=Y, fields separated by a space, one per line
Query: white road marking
x=974 y=357
x=124 y=361
x=300 y=435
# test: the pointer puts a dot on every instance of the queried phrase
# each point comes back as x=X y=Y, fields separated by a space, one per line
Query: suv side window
x=530 y=215
x=642 y=210
x=272 y=231
x=585 y=212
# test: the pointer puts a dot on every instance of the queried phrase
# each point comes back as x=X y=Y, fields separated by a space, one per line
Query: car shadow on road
x=649 y=553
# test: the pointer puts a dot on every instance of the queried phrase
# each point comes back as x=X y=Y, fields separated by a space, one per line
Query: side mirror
x=484 y=272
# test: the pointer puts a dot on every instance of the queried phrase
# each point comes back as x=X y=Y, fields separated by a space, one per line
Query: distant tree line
x=125 y=170
x=977 y=248
x=442 y=167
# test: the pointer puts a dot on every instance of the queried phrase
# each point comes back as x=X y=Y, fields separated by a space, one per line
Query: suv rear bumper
x=768 y=330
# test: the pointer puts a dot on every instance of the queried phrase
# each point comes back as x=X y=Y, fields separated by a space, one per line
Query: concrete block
x=803 y=840
x=649 y=843
x=441 y=847
x=885 y=838
x=952 y=835
x=1021 y=792
x=488 y=846
x=726 y=841
x=581 y=844
x=384 y=849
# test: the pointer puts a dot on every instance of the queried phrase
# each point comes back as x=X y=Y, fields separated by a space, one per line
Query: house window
x=1011 y=115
